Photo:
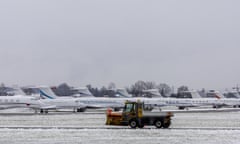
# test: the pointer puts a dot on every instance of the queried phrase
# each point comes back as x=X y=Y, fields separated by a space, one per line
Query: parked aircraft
x=232 y=94
x=229 y=102
x=94 y=102
x=48 y=97
x=19 y=101
x=80 y=103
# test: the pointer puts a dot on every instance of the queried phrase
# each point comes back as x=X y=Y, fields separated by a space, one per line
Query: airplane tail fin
x=84 y=92
x=47 y=93
x=18 y=91
x=218 y=96
x=195 y=94
x=152 y=93
x=122 y=93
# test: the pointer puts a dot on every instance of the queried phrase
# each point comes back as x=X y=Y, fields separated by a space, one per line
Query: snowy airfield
x=71 y=128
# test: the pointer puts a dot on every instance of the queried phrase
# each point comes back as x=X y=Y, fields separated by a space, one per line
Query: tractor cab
x=132 y=110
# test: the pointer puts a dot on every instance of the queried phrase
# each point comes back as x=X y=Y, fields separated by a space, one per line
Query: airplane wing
x=49 y=107
x=117 y=105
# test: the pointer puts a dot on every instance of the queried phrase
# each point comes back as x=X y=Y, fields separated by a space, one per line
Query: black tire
x=133 y=123
x=158 y=123
x=181 y=107
x=166 y=125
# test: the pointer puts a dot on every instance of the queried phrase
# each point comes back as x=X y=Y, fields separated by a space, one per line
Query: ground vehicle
x=134 y=116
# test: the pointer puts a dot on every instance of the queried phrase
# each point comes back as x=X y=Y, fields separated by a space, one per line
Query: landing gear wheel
x=133 y=123
x=43 y=111
x=181 y=107
x=81 y=109
x=158 y=123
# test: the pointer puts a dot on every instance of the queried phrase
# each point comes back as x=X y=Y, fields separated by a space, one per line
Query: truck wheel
x=166 y=125
x=158 y=123
x=133 y=123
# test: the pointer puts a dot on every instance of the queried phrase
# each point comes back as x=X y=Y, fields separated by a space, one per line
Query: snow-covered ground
x=64 y=128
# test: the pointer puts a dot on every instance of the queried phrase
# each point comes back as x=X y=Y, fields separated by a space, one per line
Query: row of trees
x=136 y=90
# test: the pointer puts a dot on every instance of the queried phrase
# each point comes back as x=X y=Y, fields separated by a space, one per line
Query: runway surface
x=111 y=128
x=71 y=128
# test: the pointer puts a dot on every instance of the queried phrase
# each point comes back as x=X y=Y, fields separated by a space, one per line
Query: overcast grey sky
x=178 y=42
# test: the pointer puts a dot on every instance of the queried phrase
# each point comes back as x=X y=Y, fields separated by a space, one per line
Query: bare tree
x=111 y=86
x=182 y=89
x=136 y=89
x=150 y=85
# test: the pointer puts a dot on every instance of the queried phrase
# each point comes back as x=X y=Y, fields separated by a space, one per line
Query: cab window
x=129 y=107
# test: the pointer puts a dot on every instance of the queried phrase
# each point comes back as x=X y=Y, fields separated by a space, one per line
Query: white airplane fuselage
x=160 y=102
x=19 y=101
x=62 y=102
